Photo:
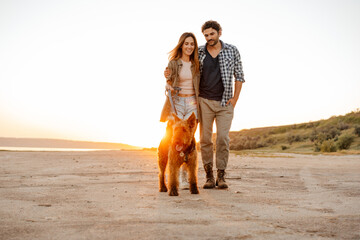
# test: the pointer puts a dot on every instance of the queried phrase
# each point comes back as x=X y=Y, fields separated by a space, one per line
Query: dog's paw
x=194 y=189
x=163 y=189
x=173 y=192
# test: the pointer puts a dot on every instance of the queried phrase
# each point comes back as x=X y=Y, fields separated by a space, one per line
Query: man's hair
x=211 y=24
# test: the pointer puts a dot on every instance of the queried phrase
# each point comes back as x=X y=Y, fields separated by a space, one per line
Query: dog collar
x=188 y=150
x=182 y=154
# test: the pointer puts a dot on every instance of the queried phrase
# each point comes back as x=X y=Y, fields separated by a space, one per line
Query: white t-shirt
x=185 y=76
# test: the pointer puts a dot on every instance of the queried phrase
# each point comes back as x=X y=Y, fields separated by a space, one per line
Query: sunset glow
x=93 y=71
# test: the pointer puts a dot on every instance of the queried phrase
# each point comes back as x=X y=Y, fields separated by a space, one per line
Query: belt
x=186 y=95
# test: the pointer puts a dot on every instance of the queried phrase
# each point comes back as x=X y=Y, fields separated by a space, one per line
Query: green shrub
x=313 y=135
x=312 y=125
x=357 y=130
x=353 y=117
x=331 y=132
x=317 y=147
x=279 y=130
x=271 y=141
x=328 y=146
x=293 y=138
x=324 y=133
x=345 y=141
x=246 y=142
x=343 y=126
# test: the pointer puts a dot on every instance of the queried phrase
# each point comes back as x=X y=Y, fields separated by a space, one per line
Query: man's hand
x=232 y=101
x=167 y=73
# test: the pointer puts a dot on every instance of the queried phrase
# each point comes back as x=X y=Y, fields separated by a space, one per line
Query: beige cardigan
x=173 y=80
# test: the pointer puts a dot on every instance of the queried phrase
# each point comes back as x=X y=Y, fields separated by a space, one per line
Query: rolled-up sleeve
x=171 y=67
x=238 y=73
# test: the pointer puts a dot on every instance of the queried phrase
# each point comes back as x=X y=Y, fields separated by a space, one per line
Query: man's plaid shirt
x=230 y=66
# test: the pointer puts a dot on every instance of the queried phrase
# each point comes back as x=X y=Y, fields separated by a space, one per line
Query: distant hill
x=59 y=143
x=338 y=133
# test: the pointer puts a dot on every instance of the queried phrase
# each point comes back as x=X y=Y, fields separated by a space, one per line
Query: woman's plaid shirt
x=230 y=66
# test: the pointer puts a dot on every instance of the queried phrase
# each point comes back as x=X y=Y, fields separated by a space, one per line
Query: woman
x=184 y=73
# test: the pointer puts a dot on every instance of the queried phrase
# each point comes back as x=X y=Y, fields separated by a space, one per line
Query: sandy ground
x=114 y=195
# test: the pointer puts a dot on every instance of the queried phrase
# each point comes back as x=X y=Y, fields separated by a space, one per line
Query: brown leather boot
x=220 y=180
x=210 y=180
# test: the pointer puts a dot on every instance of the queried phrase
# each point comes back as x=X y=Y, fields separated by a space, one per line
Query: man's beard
x=214 y=42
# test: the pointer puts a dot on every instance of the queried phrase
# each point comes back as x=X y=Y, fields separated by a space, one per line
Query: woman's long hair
x=176 y=53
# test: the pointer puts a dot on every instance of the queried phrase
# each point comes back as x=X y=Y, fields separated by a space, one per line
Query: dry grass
x=302 y=138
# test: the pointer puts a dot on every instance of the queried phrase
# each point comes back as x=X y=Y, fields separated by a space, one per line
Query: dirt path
x=114 y=195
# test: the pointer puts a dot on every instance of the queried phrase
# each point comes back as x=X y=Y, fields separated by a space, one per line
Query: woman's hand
x=168 y=86
x=167 y=73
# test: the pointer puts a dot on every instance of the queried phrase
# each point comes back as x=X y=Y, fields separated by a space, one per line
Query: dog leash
x=168 y=94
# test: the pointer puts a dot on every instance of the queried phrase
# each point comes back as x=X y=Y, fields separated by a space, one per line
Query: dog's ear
x=192 y=121
x=172 y=119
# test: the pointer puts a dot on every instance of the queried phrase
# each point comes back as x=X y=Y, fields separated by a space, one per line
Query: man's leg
x=206 y=131
x=206 y=144
x=223 y=123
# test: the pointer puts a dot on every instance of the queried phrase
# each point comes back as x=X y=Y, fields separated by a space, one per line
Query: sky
x=93 y=69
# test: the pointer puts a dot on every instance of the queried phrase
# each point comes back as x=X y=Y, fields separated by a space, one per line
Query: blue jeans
x=185 y=106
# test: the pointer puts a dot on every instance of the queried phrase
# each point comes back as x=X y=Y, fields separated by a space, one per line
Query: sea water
x=42 y=149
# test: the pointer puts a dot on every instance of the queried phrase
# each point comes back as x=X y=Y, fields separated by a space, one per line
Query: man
x=219 y=63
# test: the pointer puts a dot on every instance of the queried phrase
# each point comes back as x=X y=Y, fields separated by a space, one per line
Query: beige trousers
x=211 y=110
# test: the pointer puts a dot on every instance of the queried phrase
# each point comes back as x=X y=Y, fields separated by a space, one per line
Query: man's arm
x=167 y=73
x=238 y=73
x=239 y=78
x=234 y=99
